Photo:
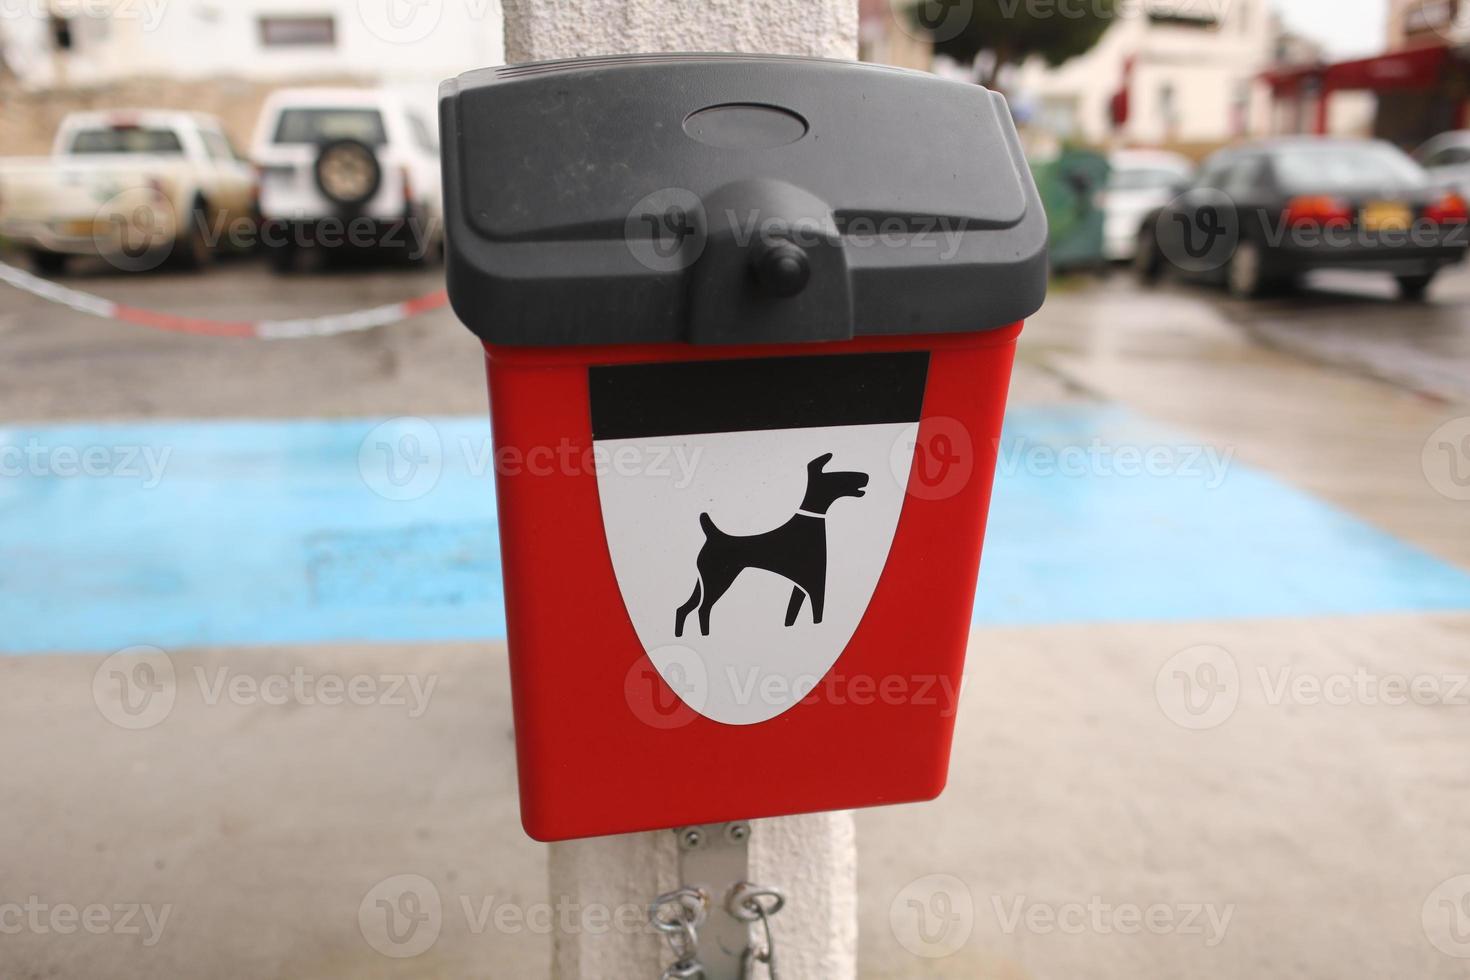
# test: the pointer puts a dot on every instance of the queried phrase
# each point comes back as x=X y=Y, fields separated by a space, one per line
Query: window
x=1240 y=109
x=1452 y=156
x=217 y=146
x=1429 y=15
x=1176 y=14
x=325 y=125
x=62 y=37
x=1216 y=171
x=127 y=139
x=1168 y=108
x=1343 y=167
x=1145 y=179
x=298 y=32
x=1244 y=177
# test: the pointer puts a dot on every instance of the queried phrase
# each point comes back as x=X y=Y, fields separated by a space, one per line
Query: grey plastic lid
x=731 y=199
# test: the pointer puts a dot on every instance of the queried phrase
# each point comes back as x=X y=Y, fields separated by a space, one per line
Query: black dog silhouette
x=796 y=550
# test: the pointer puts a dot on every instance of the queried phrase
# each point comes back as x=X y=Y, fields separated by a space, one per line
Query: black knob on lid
x=782 y=268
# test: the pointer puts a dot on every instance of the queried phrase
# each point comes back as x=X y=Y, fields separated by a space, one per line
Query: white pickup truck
x=134 y=187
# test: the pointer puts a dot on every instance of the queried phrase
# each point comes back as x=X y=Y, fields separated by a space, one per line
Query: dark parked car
x=1261 y=215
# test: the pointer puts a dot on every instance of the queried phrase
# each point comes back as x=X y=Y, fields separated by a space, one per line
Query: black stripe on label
x=632 y=401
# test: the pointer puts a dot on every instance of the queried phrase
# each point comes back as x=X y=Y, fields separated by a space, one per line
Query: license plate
x=1387 y=216
x=78 y=229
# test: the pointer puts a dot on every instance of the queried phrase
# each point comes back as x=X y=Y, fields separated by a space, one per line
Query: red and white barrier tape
x=321 y=326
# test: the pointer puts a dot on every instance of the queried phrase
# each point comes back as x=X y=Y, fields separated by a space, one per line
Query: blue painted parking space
x=247 y=533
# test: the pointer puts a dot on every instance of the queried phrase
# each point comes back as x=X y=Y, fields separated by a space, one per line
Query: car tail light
x=1318 y=211
x=1448 y=210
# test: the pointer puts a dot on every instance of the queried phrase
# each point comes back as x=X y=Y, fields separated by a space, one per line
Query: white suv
x=347 y=168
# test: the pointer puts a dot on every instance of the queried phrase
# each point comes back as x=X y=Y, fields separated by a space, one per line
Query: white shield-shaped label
x=749 y=508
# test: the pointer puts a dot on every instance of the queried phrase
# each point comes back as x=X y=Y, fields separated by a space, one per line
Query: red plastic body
x=604 y=747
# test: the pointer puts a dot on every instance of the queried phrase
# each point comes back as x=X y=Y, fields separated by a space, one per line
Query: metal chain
x=681 y=930
x=758 y=903
x=679 y=915
x=764 y=954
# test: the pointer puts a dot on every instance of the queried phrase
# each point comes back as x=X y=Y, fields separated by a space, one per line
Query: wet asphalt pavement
x=1336 y=322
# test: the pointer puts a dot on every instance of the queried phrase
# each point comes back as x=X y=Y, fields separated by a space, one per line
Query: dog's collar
x=807 y=513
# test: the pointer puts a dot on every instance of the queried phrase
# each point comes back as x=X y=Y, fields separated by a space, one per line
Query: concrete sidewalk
x=1286 y=838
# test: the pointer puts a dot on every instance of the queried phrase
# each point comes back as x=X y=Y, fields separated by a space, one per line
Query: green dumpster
x=1070 y=186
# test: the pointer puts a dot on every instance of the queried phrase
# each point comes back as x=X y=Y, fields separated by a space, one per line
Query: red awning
x=1414 y=69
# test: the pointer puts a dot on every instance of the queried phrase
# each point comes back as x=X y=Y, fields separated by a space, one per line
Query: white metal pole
x=813 y=859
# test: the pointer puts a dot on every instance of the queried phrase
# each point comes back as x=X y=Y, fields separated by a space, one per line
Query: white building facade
x=84 y=43
x=1413 y=23
x=1174 y=71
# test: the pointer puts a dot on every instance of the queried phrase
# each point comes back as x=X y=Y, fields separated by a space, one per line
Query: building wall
x=1352 y=113
x=1191 y=85
x=1385 y=109
x=395 y=41
x=884 y=40
x=209 y=55
x=1416 y=22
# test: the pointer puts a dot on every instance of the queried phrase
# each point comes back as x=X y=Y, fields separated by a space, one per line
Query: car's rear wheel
x=1414 y=288
x=279 y=241
x=295 y=258
x=191 y=249
x=1148 y=261
x=282 y=257
x=1246 y=274
x=49 y=263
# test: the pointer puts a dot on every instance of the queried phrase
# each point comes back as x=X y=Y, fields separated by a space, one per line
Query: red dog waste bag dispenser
x=749 y=325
